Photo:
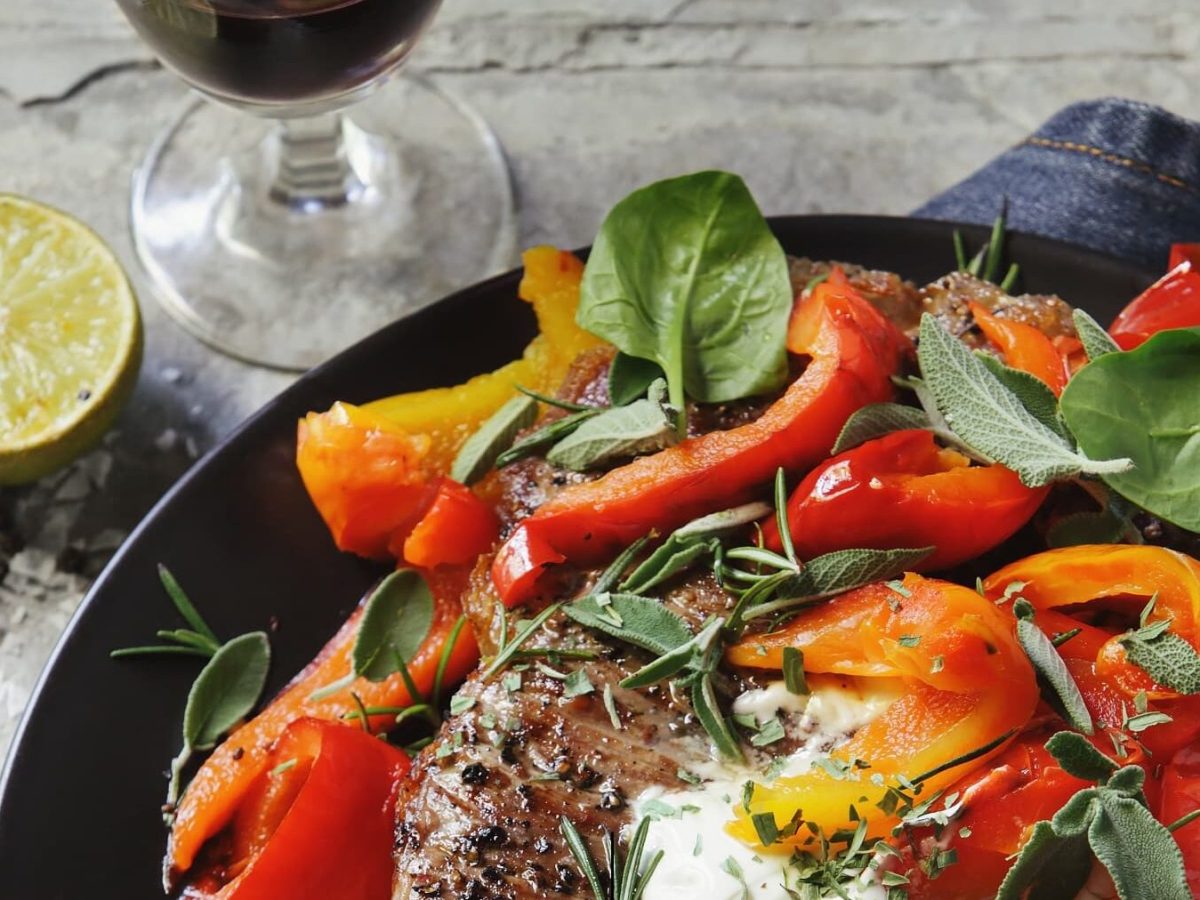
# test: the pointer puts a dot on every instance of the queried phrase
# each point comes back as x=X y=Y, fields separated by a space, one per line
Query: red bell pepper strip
x=1181 y=253
x=1171 y=302
x=902 y=490
x=223 y=781
x=456 y=529
x=854 y=352
x=1068 y=586
x=1180 y=796
x=319 y=823
x=1024 y=347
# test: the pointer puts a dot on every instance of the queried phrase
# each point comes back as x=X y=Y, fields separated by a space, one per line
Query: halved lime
x=70 y=339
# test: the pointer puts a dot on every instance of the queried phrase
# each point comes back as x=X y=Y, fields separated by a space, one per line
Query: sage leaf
x=837 y=572
x=1145 y=404
x=793 y=671
x=1033 y=393
x=1050 y=866
x=990 y=418
x=689 y=543
x=226 y=690
x=1077 y=756
x=1050 y=666
x=1168 y=659
x=686 y=272
x=395 y=622
x=645 y=622
x=1138 y=851
x=875 y=420
x=617 y=433
x=477 y=456
x=1086 y=528
x=548 y=434
x=1096 y=341
x=708 y=713
x=676 y=660
x=630 y=377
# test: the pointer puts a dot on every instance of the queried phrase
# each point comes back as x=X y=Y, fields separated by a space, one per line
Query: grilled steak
x=479 y=817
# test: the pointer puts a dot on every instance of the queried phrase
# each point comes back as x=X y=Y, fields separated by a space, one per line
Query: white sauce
x=695 y=842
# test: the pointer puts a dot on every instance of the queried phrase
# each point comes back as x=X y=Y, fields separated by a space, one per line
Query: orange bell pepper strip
x=902 y=490
x=319 y=823
x=1068 y=586
x=1171 y=302
x=224 y=779
x=456 y=529
x=854 y=352
x=371 y=470
x=1024 y=347
x=966 y=684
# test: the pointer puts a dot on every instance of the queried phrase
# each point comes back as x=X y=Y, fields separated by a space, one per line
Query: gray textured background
x=823 y=105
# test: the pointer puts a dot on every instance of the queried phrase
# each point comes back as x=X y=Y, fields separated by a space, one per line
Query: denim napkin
x=1114 y=175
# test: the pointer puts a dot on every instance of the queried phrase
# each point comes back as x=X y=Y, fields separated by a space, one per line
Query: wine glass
x=272 y=226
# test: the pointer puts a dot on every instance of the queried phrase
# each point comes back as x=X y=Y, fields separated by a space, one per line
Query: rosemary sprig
x=628 y=877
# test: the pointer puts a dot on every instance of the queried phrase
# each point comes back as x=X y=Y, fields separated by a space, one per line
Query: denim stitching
x=1109 y=157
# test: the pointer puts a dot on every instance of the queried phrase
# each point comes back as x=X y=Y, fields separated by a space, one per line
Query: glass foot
x=283 y=243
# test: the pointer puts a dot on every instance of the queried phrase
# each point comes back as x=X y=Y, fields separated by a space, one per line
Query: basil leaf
x=875 y=420
x=644 y=622
x=477 y=456
x=1145 y=404
x=630 y=377
x=1096 y=341
x=394 y=624
x=991 y=419
x=1033 y=393
x=1138 y=851
x=543 y=437
x=1050 y=666
x=686 y=272
x=1168 y=659
x=1078 y=757
x=226 y=690
x=617 y=433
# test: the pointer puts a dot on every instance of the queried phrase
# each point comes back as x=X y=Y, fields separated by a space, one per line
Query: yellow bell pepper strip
x=966 y=685
x=1101 y=589
x=854 y=351
x=225 y=780
x=449 y=415
x=371 y=470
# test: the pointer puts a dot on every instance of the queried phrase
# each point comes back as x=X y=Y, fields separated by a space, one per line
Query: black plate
x=80 y=794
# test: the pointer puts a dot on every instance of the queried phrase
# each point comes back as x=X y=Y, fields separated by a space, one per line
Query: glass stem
x=315 y=168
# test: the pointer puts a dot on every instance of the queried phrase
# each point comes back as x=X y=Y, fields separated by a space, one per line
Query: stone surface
x=823 y=105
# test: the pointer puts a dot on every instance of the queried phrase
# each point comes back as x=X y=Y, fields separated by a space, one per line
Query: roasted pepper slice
x=1180 y=796
x=1024 y=347
x=1071 y=587
x=854 y=352
x=966 y=683
x=902 y=490
x=1171 y=302
x=220 y=786
x=371 y=470
x=456 y=529
x=318 y=823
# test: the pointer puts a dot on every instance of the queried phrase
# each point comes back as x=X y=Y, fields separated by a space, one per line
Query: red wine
x=280 y=51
